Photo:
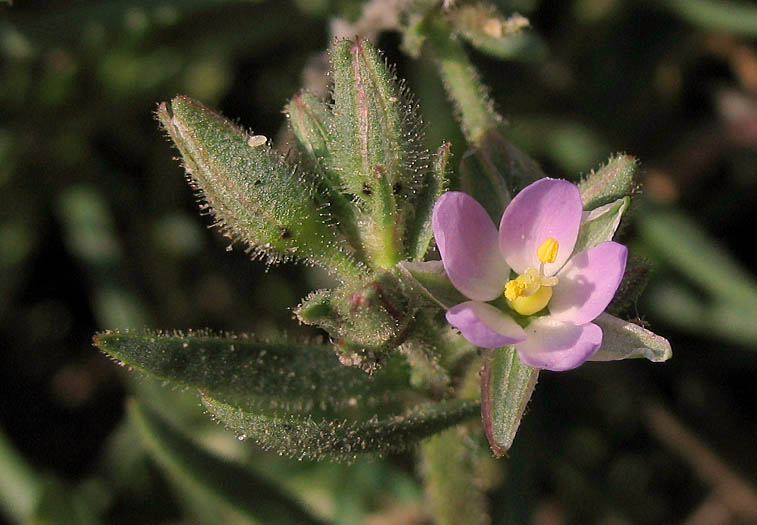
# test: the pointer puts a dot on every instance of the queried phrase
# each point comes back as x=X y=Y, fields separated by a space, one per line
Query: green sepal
x=491 y=33
x=600 y=224
x=253 y=194
x=420 y=232
x=264 y=375
x=609 y=183
x=378 y=147
x=506 y=388
x=225 y=486
x=340 y=439
x=495 y=168
x=430 y=280
x=626 y=340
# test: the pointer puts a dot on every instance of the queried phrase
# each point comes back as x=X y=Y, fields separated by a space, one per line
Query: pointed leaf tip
x=267 y=375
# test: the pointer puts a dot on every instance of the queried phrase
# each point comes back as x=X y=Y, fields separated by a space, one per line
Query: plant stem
x=461 y=80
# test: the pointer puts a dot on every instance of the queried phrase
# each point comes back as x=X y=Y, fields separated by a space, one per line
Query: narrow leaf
x=430 y=279
x=453 y=489
x=609 y=183
x=599 y=225
x=625 y=340
x=238 y=493
x=506 y=387
x=341 y=439
x=249 y=373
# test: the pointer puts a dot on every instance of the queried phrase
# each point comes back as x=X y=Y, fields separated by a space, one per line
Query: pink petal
x=484 y=325
x=467 y=240
x=547 y=208
x=587 y=283
x=557 y=346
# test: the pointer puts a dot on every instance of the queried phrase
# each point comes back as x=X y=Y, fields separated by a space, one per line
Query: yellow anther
x=529 y=305
x=526 y=284
x=547 y=252
x=514 y=289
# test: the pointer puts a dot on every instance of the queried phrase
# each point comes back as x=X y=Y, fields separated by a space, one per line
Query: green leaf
x=267 y=376
x=493 y=169
x=420 y=232
x=453 y=489
x=238 y=495
x=599 y=225
x=625 y=340
x=506 y=387
x=378 y=146
x=341 y=439
x=254 y=195
x=430 y=279
x=609 y=183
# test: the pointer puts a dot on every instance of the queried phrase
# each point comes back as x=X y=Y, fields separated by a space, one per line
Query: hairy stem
x=461 y=80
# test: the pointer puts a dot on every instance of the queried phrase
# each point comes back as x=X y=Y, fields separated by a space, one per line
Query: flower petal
x=547 y=208
x=467 y=240
x=557 y=346
x=484 y=325
x=588 y=282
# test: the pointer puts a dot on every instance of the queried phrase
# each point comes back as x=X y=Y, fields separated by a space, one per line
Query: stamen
x=532 y=304
x=547 y=252
x=514 y=289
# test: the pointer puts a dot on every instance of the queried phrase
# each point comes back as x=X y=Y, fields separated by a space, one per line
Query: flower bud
x=254 y=196
x=612 y=181
x=310 y=122
x=377 y=146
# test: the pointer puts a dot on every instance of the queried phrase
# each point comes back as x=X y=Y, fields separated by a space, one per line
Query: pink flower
x=546 y=307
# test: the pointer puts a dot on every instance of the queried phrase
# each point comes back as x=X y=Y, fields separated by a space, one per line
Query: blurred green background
x=98 y=230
